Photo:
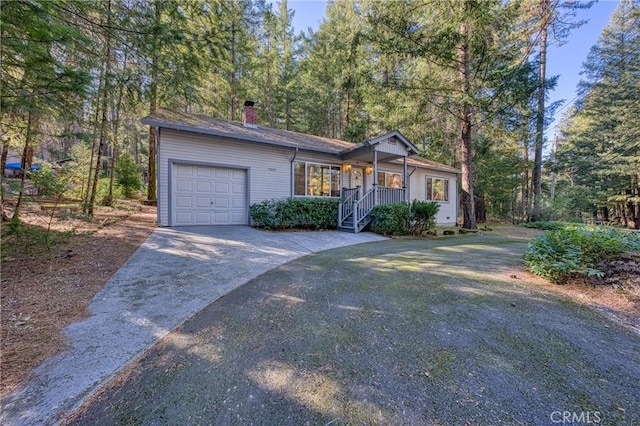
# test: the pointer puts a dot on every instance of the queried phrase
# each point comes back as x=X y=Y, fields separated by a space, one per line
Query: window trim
x=332 y=167
x=429 y=197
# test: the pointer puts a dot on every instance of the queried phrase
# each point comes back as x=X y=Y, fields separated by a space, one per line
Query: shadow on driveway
x=171 y=277
x=395 y=332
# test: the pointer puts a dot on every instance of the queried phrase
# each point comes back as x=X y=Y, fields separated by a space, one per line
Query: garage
x=208 y=195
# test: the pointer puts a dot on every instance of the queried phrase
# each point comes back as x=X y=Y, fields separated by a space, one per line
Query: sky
x=564 y=61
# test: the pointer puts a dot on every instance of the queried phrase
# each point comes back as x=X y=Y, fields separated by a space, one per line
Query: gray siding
x=447 y=215
x=391 y=146
x=270 y=167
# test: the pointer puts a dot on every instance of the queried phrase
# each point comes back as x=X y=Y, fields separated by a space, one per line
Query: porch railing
x=362 y=208
x=345 y=208
x=353 y=212
x=388 y=195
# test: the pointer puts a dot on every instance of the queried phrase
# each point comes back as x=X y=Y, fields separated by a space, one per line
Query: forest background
x=465 y=81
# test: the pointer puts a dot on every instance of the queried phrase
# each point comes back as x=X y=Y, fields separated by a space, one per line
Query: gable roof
x=411 y=148
x=236 y=130
x=205 y=125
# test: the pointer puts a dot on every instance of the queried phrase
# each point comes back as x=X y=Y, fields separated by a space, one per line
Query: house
x=210 y=171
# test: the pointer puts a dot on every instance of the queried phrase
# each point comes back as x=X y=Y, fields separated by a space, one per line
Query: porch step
x=347 y=226
x=343 y=229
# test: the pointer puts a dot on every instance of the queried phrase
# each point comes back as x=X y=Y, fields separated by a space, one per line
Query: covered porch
x=367 y=186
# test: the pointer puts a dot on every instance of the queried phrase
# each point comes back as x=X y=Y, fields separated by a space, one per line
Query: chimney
x=249 y=114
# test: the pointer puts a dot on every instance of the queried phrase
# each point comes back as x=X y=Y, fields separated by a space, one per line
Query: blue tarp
x=16 y=166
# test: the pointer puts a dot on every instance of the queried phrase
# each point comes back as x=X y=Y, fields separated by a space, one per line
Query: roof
x=202 y=124
x=417 y=161
x=236 y=130
x=395 y=134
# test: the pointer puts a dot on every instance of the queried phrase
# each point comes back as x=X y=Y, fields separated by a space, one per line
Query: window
x=390 y=180
x=437 y=189
x=316 y=180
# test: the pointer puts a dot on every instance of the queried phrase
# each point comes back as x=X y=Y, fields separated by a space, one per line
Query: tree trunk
x=525 y=204
x=23 y=175
x=136 y=152
x=632 y=219
x=481 y=209
x=545 y=13
x=151 y=183
x=104 y=121
x=466 y=156
x=86 y=195
x=234 y=90
x=3 y=157
x=116 y=129
x=552 y=189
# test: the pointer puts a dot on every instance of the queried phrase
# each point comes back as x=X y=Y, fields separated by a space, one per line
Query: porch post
x=404 y=179
x=375 y=178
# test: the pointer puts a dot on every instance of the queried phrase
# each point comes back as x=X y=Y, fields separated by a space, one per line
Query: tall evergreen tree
x=543 y=19
x=602 y=147
x=37 y=79
x=475 y=64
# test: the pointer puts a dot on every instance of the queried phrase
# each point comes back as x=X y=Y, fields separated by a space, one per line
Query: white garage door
x=204 y=195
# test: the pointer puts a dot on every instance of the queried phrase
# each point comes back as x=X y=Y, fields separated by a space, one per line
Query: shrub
x=559 y=254
x=464 y=231
x=404 y=219
x=423 y=215
x=102 y=192
x=306 y=213
x=391 y=219
x=127 y=176
x=48 y=183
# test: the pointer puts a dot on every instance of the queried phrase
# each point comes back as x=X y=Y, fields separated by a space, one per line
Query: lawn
x=435 y=332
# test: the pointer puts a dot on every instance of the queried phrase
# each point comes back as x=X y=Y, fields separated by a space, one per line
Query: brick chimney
x=250 y=114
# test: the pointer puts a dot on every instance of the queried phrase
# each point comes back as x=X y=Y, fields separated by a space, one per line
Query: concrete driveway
x=173 y=275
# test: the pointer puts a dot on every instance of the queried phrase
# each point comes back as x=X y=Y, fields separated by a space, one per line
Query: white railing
x=345 y=208
x=388 y=195
x=359 y=208
x=362 y=208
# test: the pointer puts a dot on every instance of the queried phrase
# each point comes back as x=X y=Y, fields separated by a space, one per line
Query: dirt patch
x=44 y=290
x=616 y=295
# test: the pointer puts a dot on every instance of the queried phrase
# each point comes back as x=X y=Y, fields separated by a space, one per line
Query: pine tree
x=37 y=80
x=474 y=65
x=602 y=147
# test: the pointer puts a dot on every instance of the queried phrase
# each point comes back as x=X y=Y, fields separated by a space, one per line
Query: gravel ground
x=444 y=332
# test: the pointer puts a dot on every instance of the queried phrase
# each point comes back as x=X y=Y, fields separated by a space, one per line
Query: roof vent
x=250 y=115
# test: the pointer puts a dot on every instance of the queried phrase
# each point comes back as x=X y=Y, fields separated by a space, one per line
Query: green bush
x=127 y=176
x=423 y=216
x=559 y=254
x=306 y=213
x=48 y=183
x=404 y=219
x=102 y=192
x=391 y=219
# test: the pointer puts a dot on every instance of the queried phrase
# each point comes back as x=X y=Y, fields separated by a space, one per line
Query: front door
x=357 y=179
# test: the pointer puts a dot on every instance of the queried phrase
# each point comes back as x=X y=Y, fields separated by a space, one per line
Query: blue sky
x=565 y=61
